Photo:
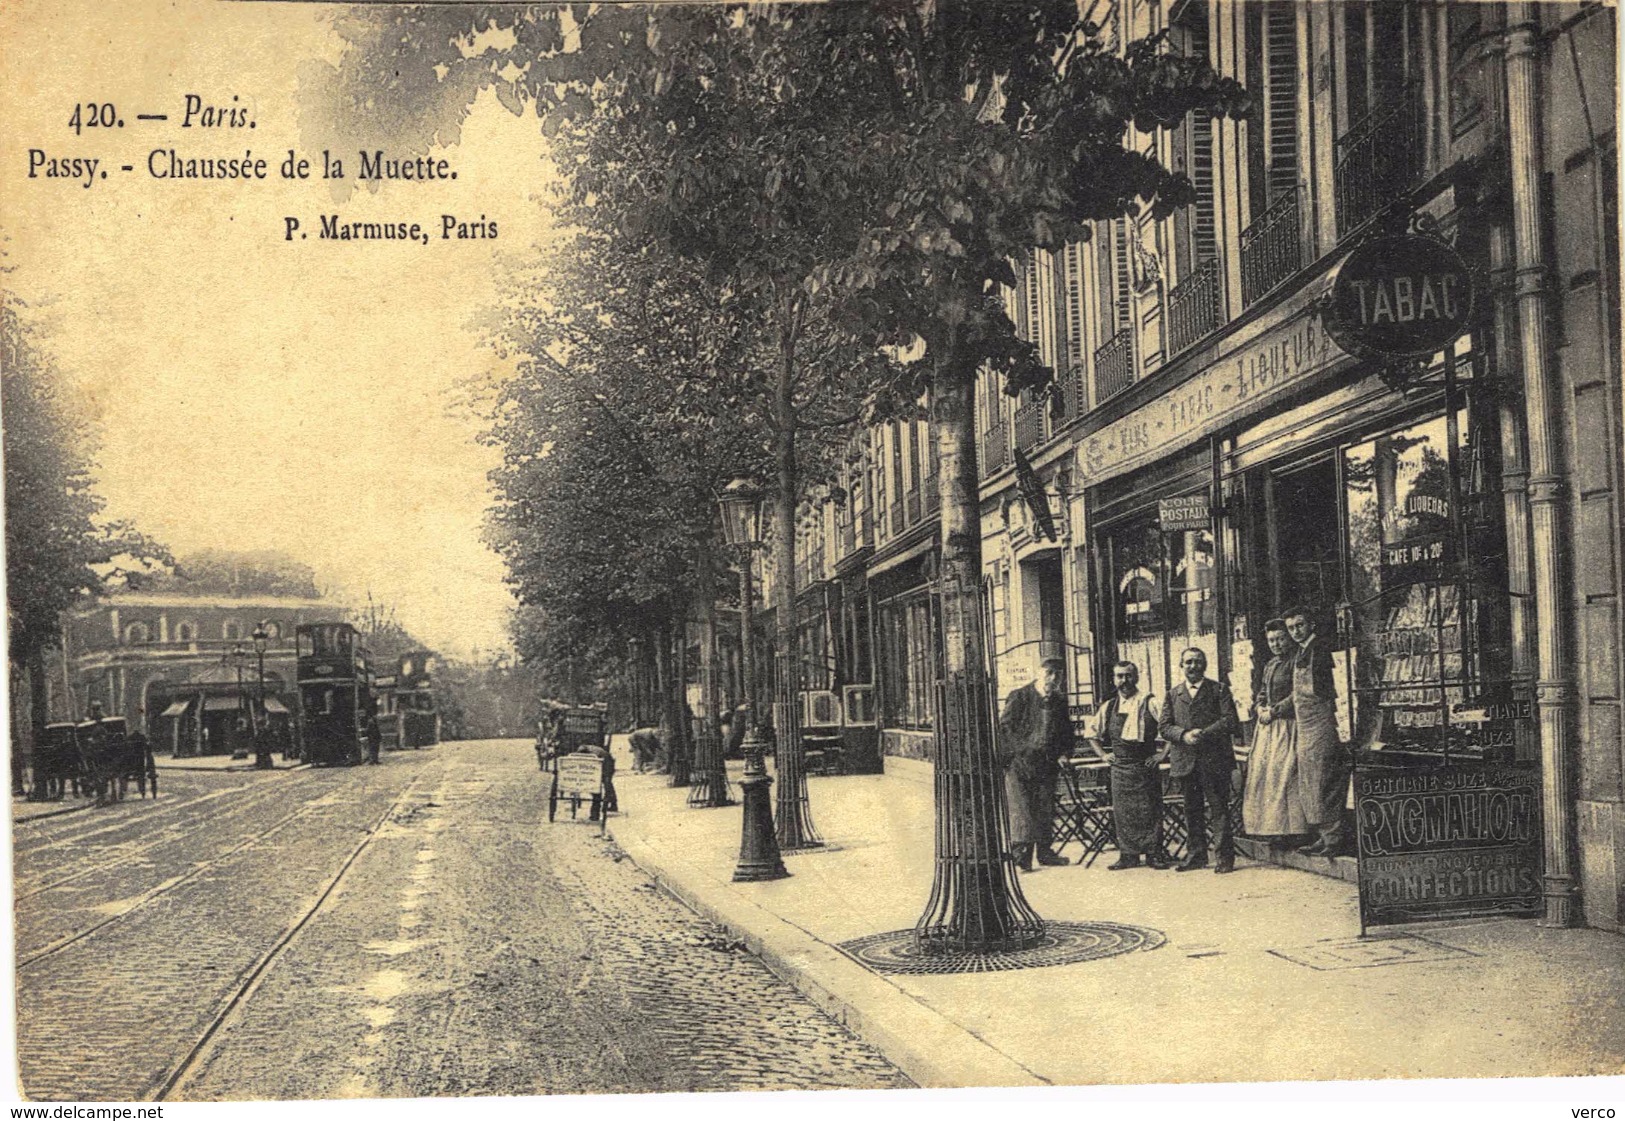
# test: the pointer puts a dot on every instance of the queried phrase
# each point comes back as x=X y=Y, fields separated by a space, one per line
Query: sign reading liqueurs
x=1408 y=296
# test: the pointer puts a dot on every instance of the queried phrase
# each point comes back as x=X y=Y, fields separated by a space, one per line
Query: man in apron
x=1322 y=774
x=1123 y=732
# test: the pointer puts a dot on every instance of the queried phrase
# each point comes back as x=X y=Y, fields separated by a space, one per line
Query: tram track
x=234 y=1001
x=164 y=888
x=23 y=890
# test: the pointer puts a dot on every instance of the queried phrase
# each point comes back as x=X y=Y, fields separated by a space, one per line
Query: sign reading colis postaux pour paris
x=1402 y=297
x=1448 y=842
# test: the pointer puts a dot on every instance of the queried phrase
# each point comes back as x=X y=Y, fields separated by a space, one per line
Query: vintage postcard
x=1067 y=547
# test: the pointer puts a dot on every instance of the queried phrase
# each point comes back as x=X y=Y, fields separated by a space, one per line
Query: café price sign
x=1400 y=298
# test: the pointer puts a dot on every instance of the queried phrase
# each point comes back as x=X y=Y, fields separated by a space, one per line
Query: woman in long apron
x=1272 y=805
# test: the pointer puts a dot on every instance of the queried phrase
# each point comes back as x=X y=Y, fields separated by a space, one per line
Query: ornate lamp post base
x=759 y=857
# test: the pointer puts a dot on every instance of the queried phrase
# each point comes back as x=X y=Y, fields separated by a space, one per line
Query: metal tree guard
x=976 y=903
x=795 y=825
x=709 y=776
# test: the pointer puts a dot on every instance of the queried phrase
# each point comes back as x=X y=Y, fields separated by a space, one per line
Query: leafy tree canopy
x=58 y=547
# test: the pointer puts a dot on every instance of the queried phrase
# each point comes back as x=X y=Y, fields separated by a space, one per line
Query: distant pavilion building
x=165 y=663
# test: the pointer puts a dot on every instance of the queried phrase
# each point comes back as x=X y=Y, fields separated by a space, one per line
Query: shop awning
x=276 y=706
x=178 y=708
x=221 y=704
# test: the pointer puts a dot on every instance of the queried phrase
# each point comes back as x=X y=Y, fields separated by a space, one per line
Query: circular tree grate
x=1063 y=943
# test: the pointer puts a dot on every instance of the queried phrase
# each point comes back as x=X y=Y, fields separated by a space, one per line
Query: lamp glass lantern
x=261 y=637
x=741 y=506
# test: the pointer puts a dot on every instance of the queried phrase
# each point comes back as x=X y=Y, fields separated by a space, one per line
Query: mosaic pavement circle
x=1064 y=943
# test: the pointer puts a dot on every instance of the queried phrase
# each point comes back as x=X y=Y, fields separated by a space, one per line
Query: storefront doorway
x=1308 y=570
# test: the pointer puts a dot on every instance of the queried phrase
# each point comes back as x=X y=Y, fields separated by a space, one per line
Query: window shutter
x=1281 y=49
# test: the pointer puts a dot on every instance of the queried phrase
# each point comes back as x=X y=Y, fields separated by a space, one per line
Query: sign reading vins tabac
x=1401 y=297
x=1448 y=842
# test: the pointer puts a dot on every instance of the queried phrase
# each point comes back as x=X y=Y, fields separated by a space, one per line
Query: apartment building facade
x=1210 y=456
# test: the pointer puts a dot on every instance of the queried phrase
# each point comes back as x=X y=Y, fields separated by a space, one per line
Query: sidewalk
x=1262 y=976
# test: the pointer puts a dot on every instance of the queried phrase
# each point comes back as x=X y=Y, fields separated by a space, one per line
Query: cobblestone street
x=416 y=929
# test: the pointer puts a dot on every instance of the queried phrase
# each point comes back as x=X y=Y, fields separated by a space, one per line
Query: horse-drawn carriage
x=97 y=758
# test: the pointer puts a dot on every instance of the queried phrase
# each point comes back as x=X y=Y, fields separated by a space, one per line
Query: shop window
x=908 y=666
x=1165 y=599
x=1422 y=621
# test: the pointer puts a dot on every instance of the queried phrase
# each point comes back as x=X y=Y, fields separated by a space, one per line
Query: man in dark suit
x=1035 y=732
x=1198 y=721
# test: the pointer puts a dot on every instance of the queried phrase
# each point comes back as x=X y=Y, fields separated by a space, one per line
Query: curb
x=933 y=1050
x=52 y=813
x=225 y=770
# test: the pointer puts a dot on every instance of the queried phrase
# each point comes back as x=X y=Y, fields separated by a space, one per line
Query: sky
x=254 y=392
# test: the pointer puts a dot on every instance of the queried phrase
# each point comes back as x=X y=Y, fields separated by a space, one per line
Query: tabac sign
x=1401 y=297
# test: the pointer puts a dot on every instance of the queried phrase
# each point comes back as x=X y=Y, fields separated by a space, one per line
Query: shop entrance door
x=1307 y=563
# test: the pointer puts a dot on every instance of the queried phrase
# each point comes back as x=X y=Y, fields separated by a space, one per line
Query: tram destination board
x=1448 y=842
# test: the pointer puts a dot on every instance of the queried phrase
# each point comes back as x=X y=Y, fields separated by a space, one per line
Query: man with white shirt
x=1123 y=731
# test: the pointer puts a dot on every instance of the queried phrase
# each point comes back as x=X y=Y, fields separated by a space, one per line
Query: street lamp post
x=759 y=857
x=262 y=749
x=239 y=750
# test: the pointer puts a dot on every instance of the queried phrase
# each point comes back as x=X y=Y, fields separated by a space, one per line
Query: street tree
x=630 y=409
x=902 y=153
x=59 y=549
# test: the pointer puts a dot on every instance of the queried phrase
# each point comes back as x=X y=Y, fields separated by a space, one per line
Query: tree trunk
x=795 y=823
x=682 y=740
x=976 y=902
x=665 y=711
x=710 y=778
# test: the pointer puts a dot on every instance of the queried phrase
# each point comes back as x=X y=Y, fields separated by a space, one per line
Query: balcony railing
x=1114 y=364
x=1194 y=309
x=1271 y=249
x=995 y=449
x=1378 y=160
x=1074 y=390
x=1030 y=428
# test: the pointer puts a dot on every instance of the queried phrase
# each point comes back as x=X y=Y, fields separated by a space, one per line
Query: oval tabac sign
x=1408 y=296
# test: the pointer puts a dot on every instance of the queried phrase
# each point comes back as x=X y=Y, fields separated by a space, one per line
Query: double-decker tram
x=407 y=713
x=414 y=700
x=335 y=693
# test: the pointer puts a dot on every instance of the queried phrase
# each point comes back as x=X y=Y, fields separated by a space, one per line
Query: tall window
x=137 y=633
x=1196 y=239
x=1380 y=57
x=1116 y=277
x=1272 y=76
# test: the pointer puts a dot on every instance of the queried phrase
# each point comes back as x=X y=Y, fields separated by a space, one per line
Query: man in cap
x=1035 y=731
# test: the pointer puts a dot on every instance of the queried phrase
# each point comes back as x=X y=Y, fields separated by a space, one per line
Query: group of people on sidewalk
x=1296 y=773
